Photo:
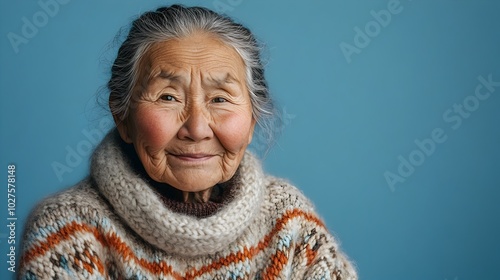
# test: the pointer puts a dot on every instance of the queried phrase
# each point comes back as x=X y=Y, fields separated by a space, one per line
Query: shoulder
x=290 y=209
x=81 y=204
x=285 y=195
x=82 y=197
x=67 y=220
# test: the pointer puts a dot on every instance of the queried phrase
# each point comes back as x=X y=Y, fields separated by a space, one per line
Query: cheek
x=154 y=128
x=234 y=131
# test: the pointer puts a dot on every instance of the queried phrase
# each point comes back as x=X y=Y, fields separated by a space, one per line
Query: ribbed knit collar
x=136 y=201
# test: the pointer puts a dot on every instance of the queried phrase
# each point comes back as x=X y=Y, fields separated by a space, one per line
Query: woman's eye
x=219 y=100
x=167 y=97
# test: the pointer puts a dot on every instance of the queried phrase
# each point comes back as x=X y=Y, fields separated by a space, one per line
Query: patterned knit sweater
x=114 y=225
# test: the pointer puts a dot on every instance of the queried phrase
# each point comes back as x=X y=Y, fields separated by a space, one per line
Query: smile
x=193 y=157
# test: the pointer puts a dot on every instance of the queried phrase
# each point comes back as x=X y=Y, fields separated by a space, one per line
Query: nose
x=196 y=126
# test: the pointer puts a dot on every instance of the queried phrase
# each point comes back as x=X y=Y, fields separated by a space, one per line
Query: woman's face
x=191 y=117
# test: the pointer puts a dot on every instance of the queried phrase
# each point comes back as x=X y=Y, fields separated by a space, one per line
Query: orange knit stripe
x=252 y=251
x=310 y=254
x=87 y=266
x=155 y=268
x=124 y=250
x=112 y=239
x=279 y=259
x=93 y=259
x=55 y=238
x=278 y=262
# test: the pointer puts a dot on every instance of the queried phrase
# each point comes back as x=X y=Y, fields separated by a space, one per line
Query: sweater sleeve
x=318 y=257
x=61 y=243
x=315 y=252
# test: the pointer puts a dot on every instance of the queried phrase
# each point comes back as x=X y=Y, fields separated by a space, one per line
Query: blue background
x=348 y=119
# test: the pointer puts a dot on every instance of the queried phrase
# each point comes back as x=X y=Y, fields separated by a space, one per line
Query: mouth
x=198 y=157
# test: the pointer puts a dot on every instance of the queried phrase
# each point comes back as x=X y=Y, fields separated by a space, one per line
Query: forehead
x=199 y=52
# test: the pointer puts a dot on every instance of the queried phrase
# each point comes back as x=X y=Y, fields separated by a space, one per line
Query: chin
x=191 y=185
x=194 y=178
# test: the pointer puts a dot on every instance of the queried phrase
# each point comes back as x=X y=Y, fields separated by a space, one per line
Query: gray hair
x=178 y=21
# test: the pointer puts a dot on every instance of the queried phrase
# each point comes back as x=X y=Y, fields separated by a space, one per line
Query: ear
x=123 y=129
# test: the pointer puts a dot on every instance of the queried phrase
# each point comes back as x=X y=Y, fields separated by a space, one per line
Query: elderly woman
x=173 y=192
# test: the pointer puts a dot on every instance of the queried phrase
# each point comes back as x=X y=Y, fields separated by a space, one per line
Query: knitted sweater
x=114 y=225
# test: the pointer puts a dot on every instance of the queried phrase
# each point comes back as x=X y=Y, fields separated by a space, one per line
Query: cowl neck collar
x=140 y=206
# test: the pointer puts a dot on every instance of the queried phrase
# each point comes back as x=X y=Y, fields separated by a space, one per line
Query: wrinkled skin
x=190 y=118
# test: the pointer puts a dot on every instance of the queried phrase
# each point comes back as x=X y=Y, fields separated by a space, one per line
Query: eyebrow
x=168 y=76
x=228 y=79
x=218 y=81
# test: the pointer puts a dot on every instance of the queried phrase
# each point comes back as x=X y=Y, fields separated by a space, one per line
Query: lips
x=193 y=157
